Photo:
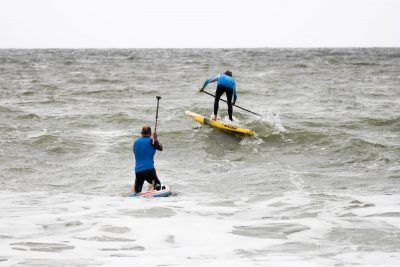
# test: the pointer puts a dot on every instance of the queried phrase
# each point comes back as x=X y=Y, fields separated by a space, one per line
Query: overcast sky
x=198 y=23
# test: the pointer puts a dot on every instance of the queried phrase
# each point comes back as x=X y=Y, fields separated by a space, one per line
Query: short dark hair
x=146 y=130
x=228 y=72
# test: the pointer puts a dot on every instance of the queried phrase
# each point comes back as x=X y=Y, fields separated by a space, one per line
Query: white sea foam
x=285 y=230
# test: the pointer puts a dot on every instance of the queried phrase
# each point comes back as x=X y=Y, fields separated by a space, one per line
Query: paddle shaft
x=235 y=105
x=158 y=102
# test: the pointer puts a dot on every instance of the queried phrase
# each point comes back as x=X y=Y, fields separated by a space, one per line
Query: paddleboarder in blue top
x=144 y=150
x=226 y=84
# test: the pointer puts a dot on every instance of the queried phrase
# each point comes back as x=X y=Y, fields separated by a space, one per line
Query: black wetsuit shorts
x=149 y=176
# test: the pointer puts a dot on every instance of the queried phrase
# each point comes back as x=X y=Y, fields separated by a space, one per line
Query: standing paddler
x=226 y=84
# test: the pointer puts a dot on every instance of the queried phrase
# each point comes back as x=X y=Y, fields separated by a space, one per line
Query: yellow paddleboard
x=219 y=125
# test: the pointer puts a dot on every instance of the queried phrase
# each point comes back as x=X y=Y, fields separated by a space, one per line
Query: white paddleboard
x=154 y=193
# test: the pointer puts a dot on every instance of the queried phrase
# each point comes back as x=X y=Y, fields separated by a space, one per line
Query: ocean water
x=319 y=184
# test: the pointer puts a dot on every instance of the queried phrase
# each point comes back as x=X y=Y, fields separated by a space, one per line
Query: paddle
x=235 y=105
x=158 y=102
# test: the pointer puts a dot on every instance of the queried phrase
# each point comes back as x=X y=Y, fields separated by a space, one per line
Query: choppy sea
x=319 y=184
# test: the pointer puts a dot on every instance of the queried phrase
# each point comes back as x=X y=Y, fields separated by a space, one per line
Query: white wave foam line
x=183 y=231
x=158 y=238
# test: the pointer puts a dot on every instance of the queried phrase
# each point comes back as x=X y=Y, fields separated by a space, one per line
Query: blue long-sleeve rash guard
x=225 y=80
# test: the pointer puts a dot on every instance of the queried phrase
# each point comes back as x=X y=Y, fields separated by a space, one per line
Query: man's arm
x=234 y=93
x=211 y=80
x=155 y=143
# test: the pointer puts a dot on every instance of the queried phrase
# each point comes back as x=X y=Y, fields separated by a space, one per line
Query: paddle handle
x=235 y=105
x=158 y=102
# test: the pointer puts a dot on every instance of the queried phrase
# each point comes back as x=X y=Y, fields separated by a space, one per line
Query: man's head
x=228 y=72
x=146 y=130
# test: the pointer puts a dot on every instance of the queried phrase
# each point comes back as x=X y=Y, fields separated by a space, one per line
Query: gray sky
x=198 y=23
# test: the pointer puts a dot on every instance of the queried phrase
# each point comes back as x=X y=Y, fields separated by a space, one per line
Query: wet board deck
x=154 y=193
x=227 y=127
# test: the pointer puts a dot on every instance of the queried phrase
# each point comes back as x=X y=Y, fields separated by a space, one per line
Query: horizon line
x=167 y=47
